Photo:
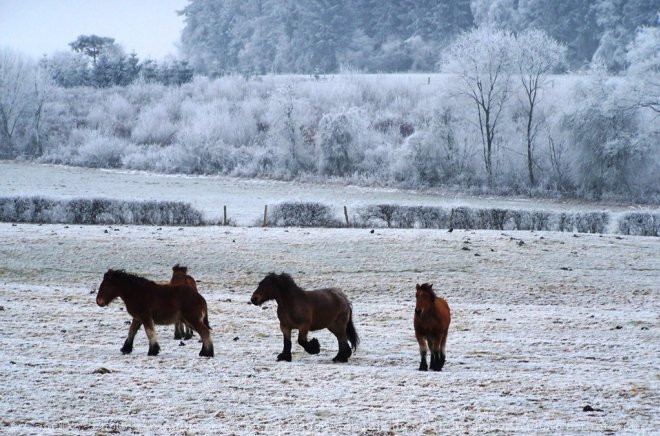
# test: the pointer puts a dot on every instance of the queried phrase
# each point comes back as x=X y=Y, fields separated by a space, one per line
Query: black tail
x=352 y=335
x=206 y=320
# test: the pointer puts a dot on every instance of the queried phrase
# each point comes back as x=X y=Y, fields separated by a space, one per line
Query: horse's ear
x=431 y=286
x=418 y=287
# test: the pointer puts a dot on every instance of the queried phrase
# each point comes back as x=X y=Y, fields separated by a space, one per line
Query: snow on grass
x=540 y=329
x=245 y=199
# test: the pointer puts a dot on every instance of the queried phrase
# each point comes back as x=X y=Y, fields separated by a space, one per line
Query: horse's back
x=328 y=304
x=171 y=300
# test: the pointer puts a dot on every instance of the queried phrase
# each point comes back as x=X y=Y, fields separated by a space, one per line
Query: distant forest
x=329 y=36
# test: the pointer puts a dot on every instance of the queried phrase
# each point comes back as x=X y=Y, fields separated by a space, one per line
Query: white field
x=245 y=198
x=540 y=329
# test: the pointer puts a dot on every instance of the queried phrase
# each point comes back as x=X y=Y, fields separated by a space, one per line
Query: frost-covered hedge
x=300 y=214
x=427 y=217
x=97 y=211
x=643 y=224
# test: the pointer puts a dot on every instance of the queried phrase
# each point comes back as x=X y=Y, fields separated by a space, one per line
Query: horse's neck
x=286 y=295
x=135 y=293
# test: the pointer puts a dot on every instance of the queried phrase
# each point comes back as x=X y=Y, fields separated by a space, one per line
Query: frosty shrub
x=402 y=217
x=584 y=222
x=639 y=224
x=97 y=211
x=300 y=214
x=526 y=220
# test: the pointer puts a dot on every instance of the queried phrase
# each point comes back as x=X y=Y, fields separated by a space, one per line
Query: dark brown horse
x=180 y=277
x=150 y=303
x=431 y=322
x=309 y=311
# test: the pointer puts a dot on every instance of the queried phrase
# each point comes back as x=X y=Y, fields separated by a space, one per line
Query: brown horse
x=150 y=303
x=309 y=311
x=180 y=277
x=431 y=322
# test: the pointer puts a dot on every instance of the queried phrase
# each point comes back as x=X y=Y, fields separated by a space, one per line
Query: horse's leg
x=149 y=329
x=436 y=357
x=286 y=350
x=179 y=329
x=132 y=331
x=423 y=349
x=201 y=327
x=187 y=332
x=342 y=342
x=311 y=346
x=443 y=342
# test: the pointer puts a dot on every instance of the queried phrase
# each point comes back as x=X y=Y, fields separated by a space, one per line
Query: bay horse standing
x=309 y=311
x=150 y=303
x=180 y=277
x=432 y=318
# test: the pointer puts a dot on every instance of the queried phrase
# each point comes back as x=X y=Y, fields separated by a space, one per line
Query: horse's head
x=425 y=298
x=108 y=289
x=266 y=290
x=178 y=269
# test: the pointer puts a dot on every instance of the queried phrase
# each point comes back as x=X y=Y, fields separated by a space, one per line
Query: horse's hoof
x=340 y=359
x=154 y=350
x=126 y=350
x=313 y=346
x=206 y=353
x=423 y=367
x=283 y=357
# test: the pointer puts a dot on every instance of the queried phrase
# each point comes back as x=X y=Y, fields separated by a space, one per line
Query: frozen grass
x=543 y=325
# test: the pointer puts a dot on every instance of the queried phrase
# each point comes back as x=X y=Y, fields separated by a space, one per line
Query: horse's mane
x=284 y=281
x=128 y=278
x=427 y=287
x=179 y=268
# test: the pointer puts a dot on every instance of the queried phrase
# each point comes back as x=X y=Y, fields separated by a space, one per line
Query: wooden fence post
x=346 y=216
x=265 y=216
x=224 y=218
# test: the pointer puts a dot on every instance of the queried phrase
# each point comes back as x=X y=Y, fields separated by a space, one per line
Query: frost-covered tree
x=482 y=61
x=616 y=151
x=91 y=45
x=618 y=21
x=23 y=90
x=643 y=72
x=536 y=55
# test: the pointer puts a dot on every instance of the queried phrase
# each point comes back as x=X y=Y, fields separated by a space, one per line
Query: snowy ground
x=543 y=325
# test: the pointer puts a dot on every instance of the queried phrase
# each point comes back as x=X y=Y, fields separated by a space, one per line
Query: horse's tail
x=351 y=333
x=206 y=321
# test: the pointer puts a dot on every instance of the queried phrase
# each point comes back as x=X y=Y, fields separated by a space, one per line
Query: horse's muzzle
x=100 y=301
x=418 y=312
x=255 y=301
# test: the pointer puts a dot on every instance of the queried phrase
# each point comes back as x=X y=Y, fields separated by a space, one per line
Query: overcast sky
x=151 y=28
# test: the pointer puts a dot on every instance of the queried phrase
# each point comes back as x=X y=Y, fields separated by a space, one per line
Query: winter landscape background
x=508 y=151
x=517 y=105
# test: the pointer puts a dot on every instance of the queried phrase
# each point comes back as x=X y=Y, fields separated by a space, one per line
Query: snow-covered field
x=245 y=199
x=544 y=324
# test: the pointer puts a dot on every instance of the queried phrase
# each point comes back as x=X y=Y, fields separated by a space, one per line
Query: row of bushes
x=431 y=217
x=97 y=211
x=310 y=214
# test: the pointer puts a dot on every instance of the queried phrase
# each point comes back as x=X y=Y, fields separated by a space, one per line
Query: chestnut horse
x=150 y=303
x=309 y=311
x=180 y=277
x=431 y=322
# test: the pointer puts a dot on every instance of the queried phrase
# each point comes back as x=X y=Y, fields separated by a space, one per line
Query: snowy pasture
x=543 y=325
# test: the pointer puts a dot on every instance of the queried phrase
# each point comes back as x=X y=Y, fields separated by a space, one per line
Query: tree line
x=328 y=36
x=100 y=62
